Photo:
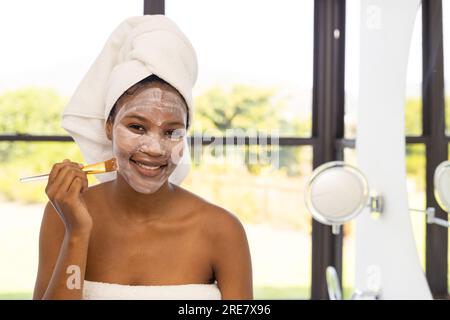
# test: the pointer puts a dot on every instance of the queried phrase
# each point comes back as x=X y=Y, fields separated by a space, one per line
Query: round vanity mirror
x=442 y=185
x=336 y=193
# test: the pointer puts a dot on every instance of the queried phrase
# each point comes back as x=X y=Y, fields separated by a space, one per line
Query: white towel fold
x=138 y=47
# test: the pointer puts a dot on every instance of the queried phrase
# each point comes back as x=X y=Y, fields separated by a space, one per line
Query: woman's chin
x=147 y=189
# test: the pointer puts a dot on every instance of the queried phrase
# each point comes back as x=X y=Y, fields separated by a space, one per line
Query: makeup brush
x=99 y=167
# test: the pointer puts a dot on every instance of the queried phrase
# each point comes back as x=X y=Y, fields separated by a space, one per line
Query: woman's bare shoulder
x=196 y=203
x=228 y=247
x=217 y=221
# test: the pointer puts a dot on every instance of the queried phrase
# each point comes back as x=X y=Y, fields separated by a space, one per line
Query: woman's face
x=148 y=134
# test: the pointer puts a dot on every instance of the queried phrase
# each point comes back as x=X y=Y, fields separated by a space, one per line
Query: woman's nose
x=152 y=145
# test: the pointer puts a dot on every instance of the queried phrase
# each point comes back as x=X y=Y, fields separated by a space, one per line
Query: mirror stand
x=375 y=204
x=335 y=291
x=431 y=217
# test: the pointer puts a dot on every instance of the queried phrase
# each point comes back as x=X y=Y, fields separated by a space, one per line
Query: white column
x=386 y=255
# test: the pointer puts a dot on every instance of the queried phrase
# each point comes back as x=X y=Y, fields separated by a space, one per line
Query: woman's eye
x=136 y=128
x=176 y=134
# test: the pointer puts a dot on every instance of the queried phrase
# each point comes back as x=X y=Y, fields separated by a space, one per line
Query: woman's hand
x=65 y=186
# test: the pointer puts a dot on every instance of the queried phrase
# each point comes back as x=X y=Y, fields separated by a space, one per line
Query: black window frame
x=436 y=141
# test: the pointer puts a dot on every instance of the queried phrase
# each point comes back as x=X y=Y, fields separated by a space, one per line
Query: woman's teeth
x=146 y=166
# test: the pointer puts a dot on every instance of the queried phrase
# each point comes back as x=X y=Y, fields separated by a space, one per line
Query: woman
x=140 y=236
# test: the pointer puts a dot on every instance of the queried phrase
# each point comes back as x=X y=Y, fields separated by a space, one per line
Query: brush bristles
x=110 y=165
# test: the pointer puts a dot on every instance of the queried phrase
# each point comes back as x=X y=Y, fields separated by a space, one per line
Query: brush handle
x=45 y=176
x=35 y=178
x=99 y=167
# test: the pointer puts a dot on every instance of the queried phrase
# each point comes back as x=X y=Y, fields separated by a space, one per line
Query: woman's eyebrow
x=174 y=123
x=135 y=116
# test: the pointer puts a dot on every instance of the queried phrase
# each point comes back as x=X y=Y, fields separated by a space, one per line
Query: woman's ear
x=108 y=129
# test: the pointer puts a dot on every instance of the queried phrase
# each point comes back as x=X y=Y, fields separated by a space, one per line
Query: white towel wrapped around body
x=139 y=47
x=93 y=290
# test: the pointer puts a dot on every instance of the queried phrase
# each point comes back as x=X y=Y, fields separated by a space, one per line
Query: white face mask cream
x=148 y=134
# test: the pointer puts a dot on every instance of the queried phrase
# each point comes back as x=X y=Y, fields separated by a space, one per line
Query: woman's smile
x=148 y=169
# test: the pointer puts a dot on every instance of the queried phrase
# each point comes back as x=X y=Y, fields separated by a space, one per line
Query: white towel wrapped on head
x=139 y=47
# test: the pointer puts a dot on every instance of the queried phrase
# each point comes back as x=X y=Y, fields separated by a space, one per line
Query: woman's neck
x=140 y=207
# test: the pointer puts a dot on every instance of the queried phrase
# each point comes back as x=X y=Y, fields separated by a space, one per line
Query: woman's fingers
x=76 y=186
x=54 y=172
x=85 y=185
x=61 y=177
x=79 y=178
x=54 y=180
x=69 y=175
x=57 y=184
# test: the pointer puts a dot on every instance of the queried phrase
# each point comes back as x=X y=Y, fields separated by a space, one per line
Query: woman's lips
x=146 y=170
